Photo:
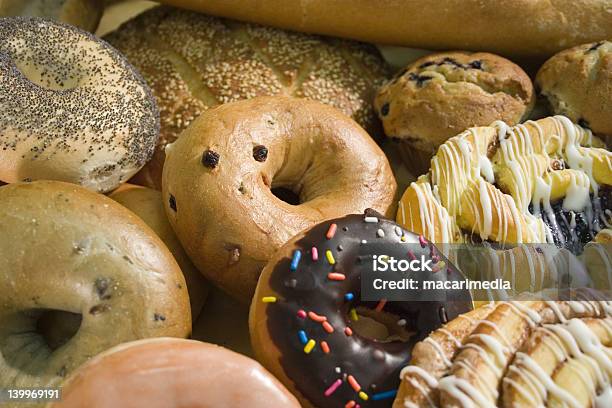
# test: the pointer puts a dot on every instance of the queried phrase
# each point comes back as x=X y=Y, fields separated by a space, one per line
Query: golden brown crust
x=226 y=216
x=64 y=248
x=530 y=28
x=168 y=373
x=578 y=84
x=148 y=205
x=493 y=364
x=194 y=62
x=441 y=95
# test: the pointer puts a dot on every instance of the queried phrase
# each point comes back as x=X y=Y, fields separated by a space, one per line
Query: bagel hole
x=286 y=194
x=381 y=326
x=28 y=338
x=44 y=77
x=57 y=327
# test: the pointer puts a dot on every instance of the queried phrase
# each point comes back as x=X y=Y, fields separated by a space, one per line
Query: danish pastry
x=578 y=84
x=442 y=94
x=247 y=176
x=524 y=353
x=194 y=62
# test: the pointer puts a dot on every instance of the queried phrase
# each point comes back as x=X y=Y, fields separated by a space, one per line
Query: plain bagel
x=221 y=176
x=78 y=274
x=71 y=107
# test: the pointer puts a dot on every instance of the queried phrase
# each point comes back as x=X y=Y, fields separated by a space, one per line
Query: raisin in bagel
x=78 y=274
x=172 y=373
x=221 y=174
x=515 y=354
x=194 y=62
x=71 y=107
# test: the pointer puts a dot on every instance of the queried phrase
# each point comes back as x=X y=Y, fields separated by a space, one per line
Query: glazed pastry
x=541 y=181
x=172 y=373
x=515 y=354
x=578 y=84
x=310 y=328
x=440 y=95
x=247 y=176
x=194 y=62
x=78 y=274
x=147 y=204
x=71 y=108
x=81 y=13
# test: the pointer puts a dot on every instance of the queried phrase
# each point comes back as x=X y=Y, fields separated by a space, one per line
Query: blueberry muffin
x=440 y=95
x=578 y=84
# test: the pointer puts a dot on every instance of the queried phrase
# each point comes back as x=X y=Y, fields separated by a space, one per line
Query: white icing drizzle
x=429 y=379
x=464 y=392
x=439 y=350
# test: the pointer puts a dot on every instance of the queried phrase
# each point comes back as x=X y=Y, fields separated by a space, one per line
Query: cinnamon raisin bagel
x=221 y=176
x=71 y=107
x=78 y=274
x=515 y=354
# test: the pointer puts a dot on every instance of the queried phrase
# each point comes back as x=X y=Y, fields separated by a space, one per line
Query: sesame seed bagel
x=221 y=176
x=71 y=107
x=194 y=62
x=78 y=274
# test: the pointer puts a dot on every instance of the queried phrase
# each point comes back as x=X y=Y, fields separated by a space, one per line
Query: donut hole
x=380 y=326
x=28 y=338
x=286 y=195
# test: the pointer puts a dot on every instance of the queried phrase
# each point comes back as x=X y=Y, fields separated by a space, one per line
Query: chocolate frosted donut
x=247 y=176
x=71 y=107
x=310 y=329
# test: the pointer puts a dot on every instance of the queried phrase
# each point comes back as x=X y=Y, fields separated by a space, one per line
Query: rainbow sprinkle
x=331 y=231
x=330 y=257
x=317 y=318
x=309 y=346
x=269 y=299
x=302 y=336
x=328 y=327
x=332 y=388
x=315 y=254
x=422 y=241
x=301 y=314
x=336 y=276
x=363 y=395
x=348 y=331
x=371 y=219
x=297 y=255
x=325 y=347
x=379 y=307
x=438 y=267
x=353 y=383
x=354 y=315
x=349 y=296
x=384 y=395
x=350 y=404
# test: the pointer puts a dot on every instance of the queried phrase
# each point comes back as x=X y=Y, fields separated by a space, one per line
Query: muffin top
x=578 y=84
x=442 y=94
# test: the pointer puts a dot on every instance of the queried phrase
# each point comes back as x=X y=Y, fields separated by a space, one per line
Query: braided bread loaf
x=527 y=354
